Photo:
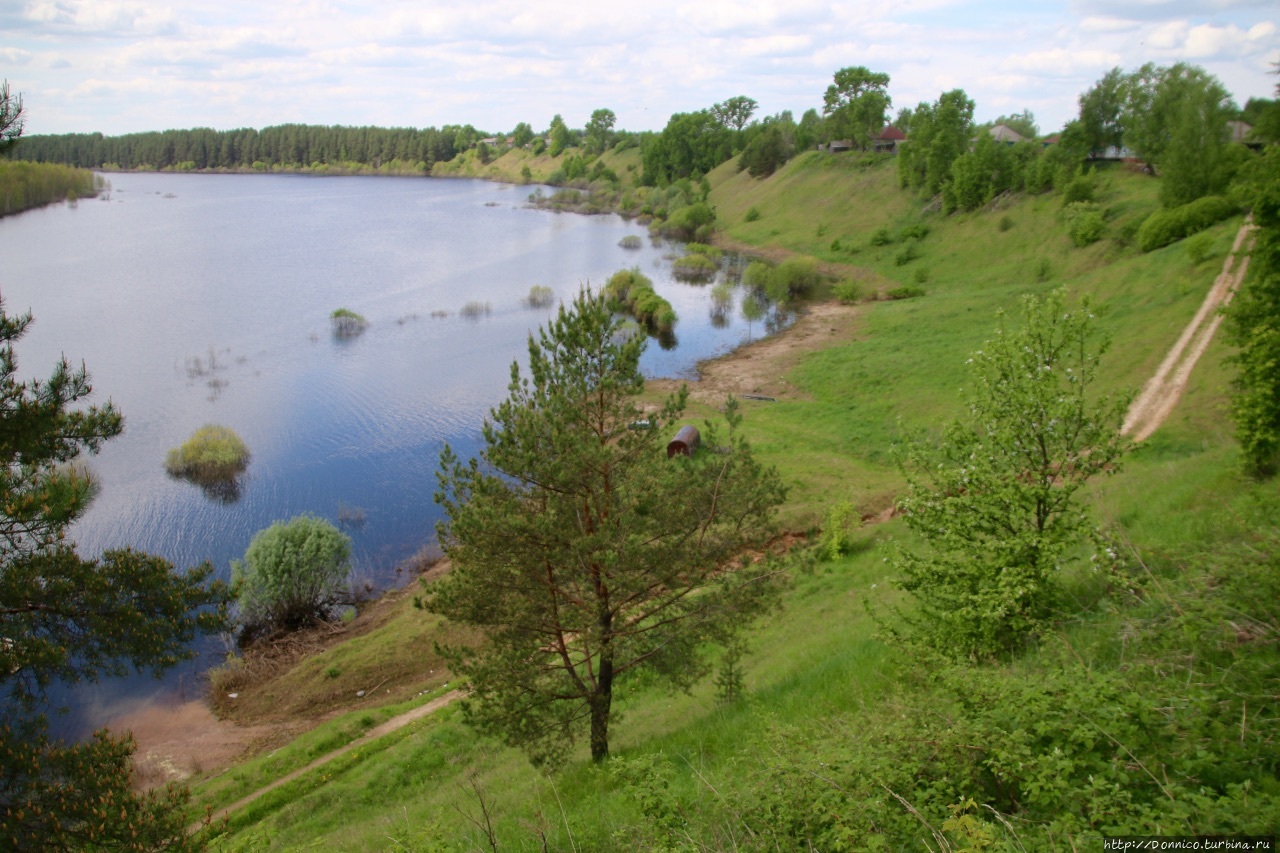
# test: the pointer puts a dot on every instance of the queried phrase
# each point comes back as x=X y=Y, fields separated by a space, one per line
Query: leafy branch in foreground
x=585 y=555
x=996 y=500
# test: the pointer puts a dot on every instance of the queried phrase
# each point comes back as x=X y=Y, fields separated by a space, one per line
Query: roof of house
x=1052 y=140
x=1000 y=133
x=1239 y=130
x=891 y=132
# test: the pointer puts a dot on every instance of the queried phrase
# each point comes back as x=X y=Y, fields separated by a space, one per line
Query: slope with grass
x=842 y=741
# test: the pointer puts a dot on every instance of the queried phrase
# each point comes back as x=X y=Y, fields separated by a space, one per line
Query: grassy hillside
x=837 y=724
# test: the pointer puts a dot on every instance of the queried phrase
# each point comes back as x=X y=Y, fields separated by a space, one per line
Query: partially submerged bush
x=631 y=241
x=540 y=296
x=694 y=267
x=632 y=290
x=476 y=309
x=1169 y=226
x=292 y=574
x=347 y=323
x=711 y=253
x=212 y=453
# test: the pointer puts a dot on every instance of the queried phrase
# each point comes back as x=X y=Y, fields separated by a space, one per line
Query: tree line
x=280 y=146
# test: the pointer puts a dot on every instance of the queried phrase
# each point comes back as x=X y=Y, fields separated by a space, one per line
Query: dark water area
x=197 y=299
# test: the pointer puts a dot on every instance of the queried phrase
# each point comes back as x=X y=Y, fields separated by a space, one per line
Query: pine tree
x=64 y=618
x=584 y=554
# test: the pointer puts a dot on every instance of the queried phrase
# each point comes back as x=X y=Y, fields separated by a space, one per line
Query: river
x=197 y=299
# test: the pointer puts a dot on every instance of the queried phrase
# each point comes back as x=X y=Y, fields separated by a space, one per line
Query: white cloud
x=1095 y=24
x=14 y=56
x=1060 y=62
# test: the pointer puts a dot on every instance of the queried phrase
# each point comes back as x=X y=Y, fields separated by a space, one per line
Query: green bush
x=711 y=252
x=1169 y=226
x=694 y=267
x=906 y=291
x=1085 y=223
x=632 y=291
x=631 y=241
x=752 y=215
x=757 y=275
x=1081 y=188
x=347 y=323
x=1199 y=248
x=292 y=574
x=848 y=291
x=881 y=237
x=793 y=277
x=837 y=528
x=690 y=223
x=213 y=453
x=540 y=296
x=915 y=231
x=1006 y=222
x=906 y=255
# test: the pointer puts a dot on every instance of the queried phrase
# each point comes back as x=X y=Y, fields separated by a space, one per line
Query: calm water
x=200 y=299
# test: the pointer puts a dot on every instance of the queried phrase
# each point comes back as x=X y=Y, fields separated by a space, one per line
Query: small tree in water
x=582 y=553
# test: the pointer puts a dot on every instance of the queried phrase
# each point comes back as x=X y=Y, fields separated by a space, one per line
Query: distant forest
x=280 y=146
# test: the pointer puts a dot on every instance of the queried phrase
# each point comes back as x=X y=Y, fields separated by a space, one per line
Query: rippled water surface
x=198 y=299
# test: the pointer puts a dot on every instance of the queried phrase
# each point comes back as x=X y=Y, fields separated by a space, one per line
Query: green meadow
x=843 y=741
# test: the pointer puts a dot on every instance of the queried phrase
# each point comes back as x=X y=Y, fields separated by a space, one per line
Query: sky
x=123 y=66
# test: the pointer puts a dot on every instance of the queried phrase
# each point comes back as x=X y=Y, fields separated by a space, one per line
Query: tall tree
x=735 y=112
x=585 y=555
x=997 y=500
x=599 y=131
x=64 y=618
x=1102 y=110
x=857 y=104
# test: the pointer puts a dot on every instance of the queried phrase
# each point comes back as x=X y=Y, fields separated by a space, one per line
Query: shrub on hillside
x=848 y=291
x=1169 y=226
x=906 y=291
x=292 y=574
x=1085 y=223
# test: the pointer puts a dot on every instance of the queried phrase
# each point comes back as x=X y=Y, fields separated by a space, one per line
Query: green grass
x=816 y=670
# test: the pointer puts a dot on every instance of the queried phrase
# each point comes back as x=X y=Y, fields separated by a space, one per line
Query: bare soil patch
x=761 y=367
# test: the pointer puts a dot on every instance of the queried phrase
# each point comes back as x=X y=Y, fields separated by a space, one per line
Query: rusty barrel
x=685 y=442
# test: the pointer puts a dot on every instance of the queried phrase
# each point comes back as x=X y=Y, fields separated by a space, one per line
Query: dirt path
x=1164 y=389
x=373 y=734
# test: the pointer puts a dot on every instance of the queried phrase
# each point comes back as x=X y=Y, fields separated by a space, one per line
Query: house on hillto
x=887 y=140
x=835 y=146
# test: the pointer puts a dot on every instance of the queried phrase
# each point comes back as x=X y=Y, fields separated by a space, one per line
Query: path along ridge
x=1163 y=390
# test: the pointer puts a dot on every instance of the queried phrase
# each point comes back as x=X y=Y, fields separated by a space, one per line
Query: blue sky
x=119 y=66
